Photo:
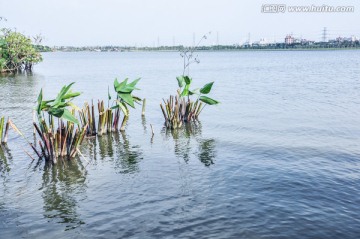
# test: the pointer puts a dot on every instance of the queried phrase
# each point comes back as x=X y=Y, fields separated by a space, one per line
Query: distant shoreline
x=307 y=46
x=220 y=50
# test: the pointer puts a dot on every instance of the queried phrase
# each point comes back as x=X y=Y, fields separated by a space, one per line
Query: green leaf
x=127 y=98
x=194 y=92
x=44 y=106
x=71 y=95
x=63 y=91
x=116 y=83
x=207 y=88
x=72 y=105
x=2 y=42
x=208 y=100
x=122 y=84
x=114 y=107
x=39 y=100
x=123 y=87
x=187 y=80
x=56 y=112
x=123 y=108
x=126 y=89
x=136 y=99
x=181 y=81
x=132 y=84
x=185 y=92
x=69 y=117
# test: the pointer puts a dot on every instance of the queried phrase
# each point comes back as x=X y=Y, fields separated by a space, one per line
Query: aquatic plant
x=125 y=98
x=180 y=108
x=87 y=117
x=109 y=117
x=61 y=138
x=4 y=128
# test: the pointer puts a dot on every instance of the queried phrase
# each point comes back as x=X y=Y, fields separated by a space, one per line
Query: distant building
x=289 y=40
x=263 y=42
x=346 y=39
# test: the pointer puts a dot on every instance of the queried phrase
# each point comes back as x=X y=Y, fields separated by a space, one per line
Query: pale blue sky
x=143 y=22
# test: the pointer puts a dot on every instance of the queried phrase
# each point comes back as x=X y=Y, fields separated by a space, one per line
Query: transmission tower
x=324 y=35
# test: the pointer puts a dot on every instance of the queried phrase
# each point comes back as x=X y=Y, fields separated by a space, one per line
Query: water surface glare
x=278 y=158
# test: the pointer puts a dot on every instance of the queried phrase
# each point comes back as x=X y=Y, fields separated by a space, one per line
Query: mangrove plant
x=124 y=98
x=180 y=108
x=58 y=129
x=17 y=52
x=109 y=117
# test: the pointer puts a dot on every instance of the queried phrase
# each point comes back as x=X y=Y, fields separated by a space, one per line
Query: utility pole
x=194 y=39
x=158 y=42
x=217 y=38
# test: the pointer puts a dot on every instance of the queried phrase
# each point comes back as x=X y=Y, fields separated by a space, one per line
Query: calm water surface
x=278 y=158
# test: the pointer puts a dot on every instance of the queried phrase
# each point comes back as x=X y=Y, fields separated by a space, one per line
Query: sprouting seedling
x=58 y=106
x=178 y=110
x=124 y=95
x=185 y=81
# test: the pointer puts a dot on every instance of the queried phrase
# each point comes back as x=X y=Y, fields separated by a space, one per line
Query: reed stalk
x=4 y=129
x=143 y=107
x=87 y=117
x=180 y=110
x=123 y=124
x=61 y=141
x=1 y=127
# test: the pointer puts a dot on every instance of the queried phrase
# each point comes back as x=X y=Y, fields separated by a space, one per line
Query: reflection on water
x=184 y=145
x=5 y=155
x=207 y=151
x=106 y=145
x=116 y=146
x=61 y=183
x=143 y=123
x=15 y=78
x=128 y=155
x=5 y=162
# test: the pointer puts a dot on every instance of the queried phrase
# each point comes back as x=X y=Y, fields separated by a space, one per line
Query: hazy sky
x=147 y=22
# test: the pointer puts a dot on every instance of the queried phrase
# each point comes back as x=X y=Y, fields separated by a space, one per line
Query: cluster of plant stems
x=61 y=135
x=60 y=140
x=180 y=109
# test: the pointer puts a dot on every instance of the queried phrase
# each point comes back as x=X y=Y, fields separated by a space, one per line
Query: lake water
x=278 y=158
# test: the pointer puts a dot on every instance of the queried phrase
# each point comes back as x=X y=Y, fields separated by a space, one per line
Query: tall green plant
x=125 y=98
x=181 y=108
x=62 y=139
x=184 y=83
x=124 y=94
x=58 y=107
